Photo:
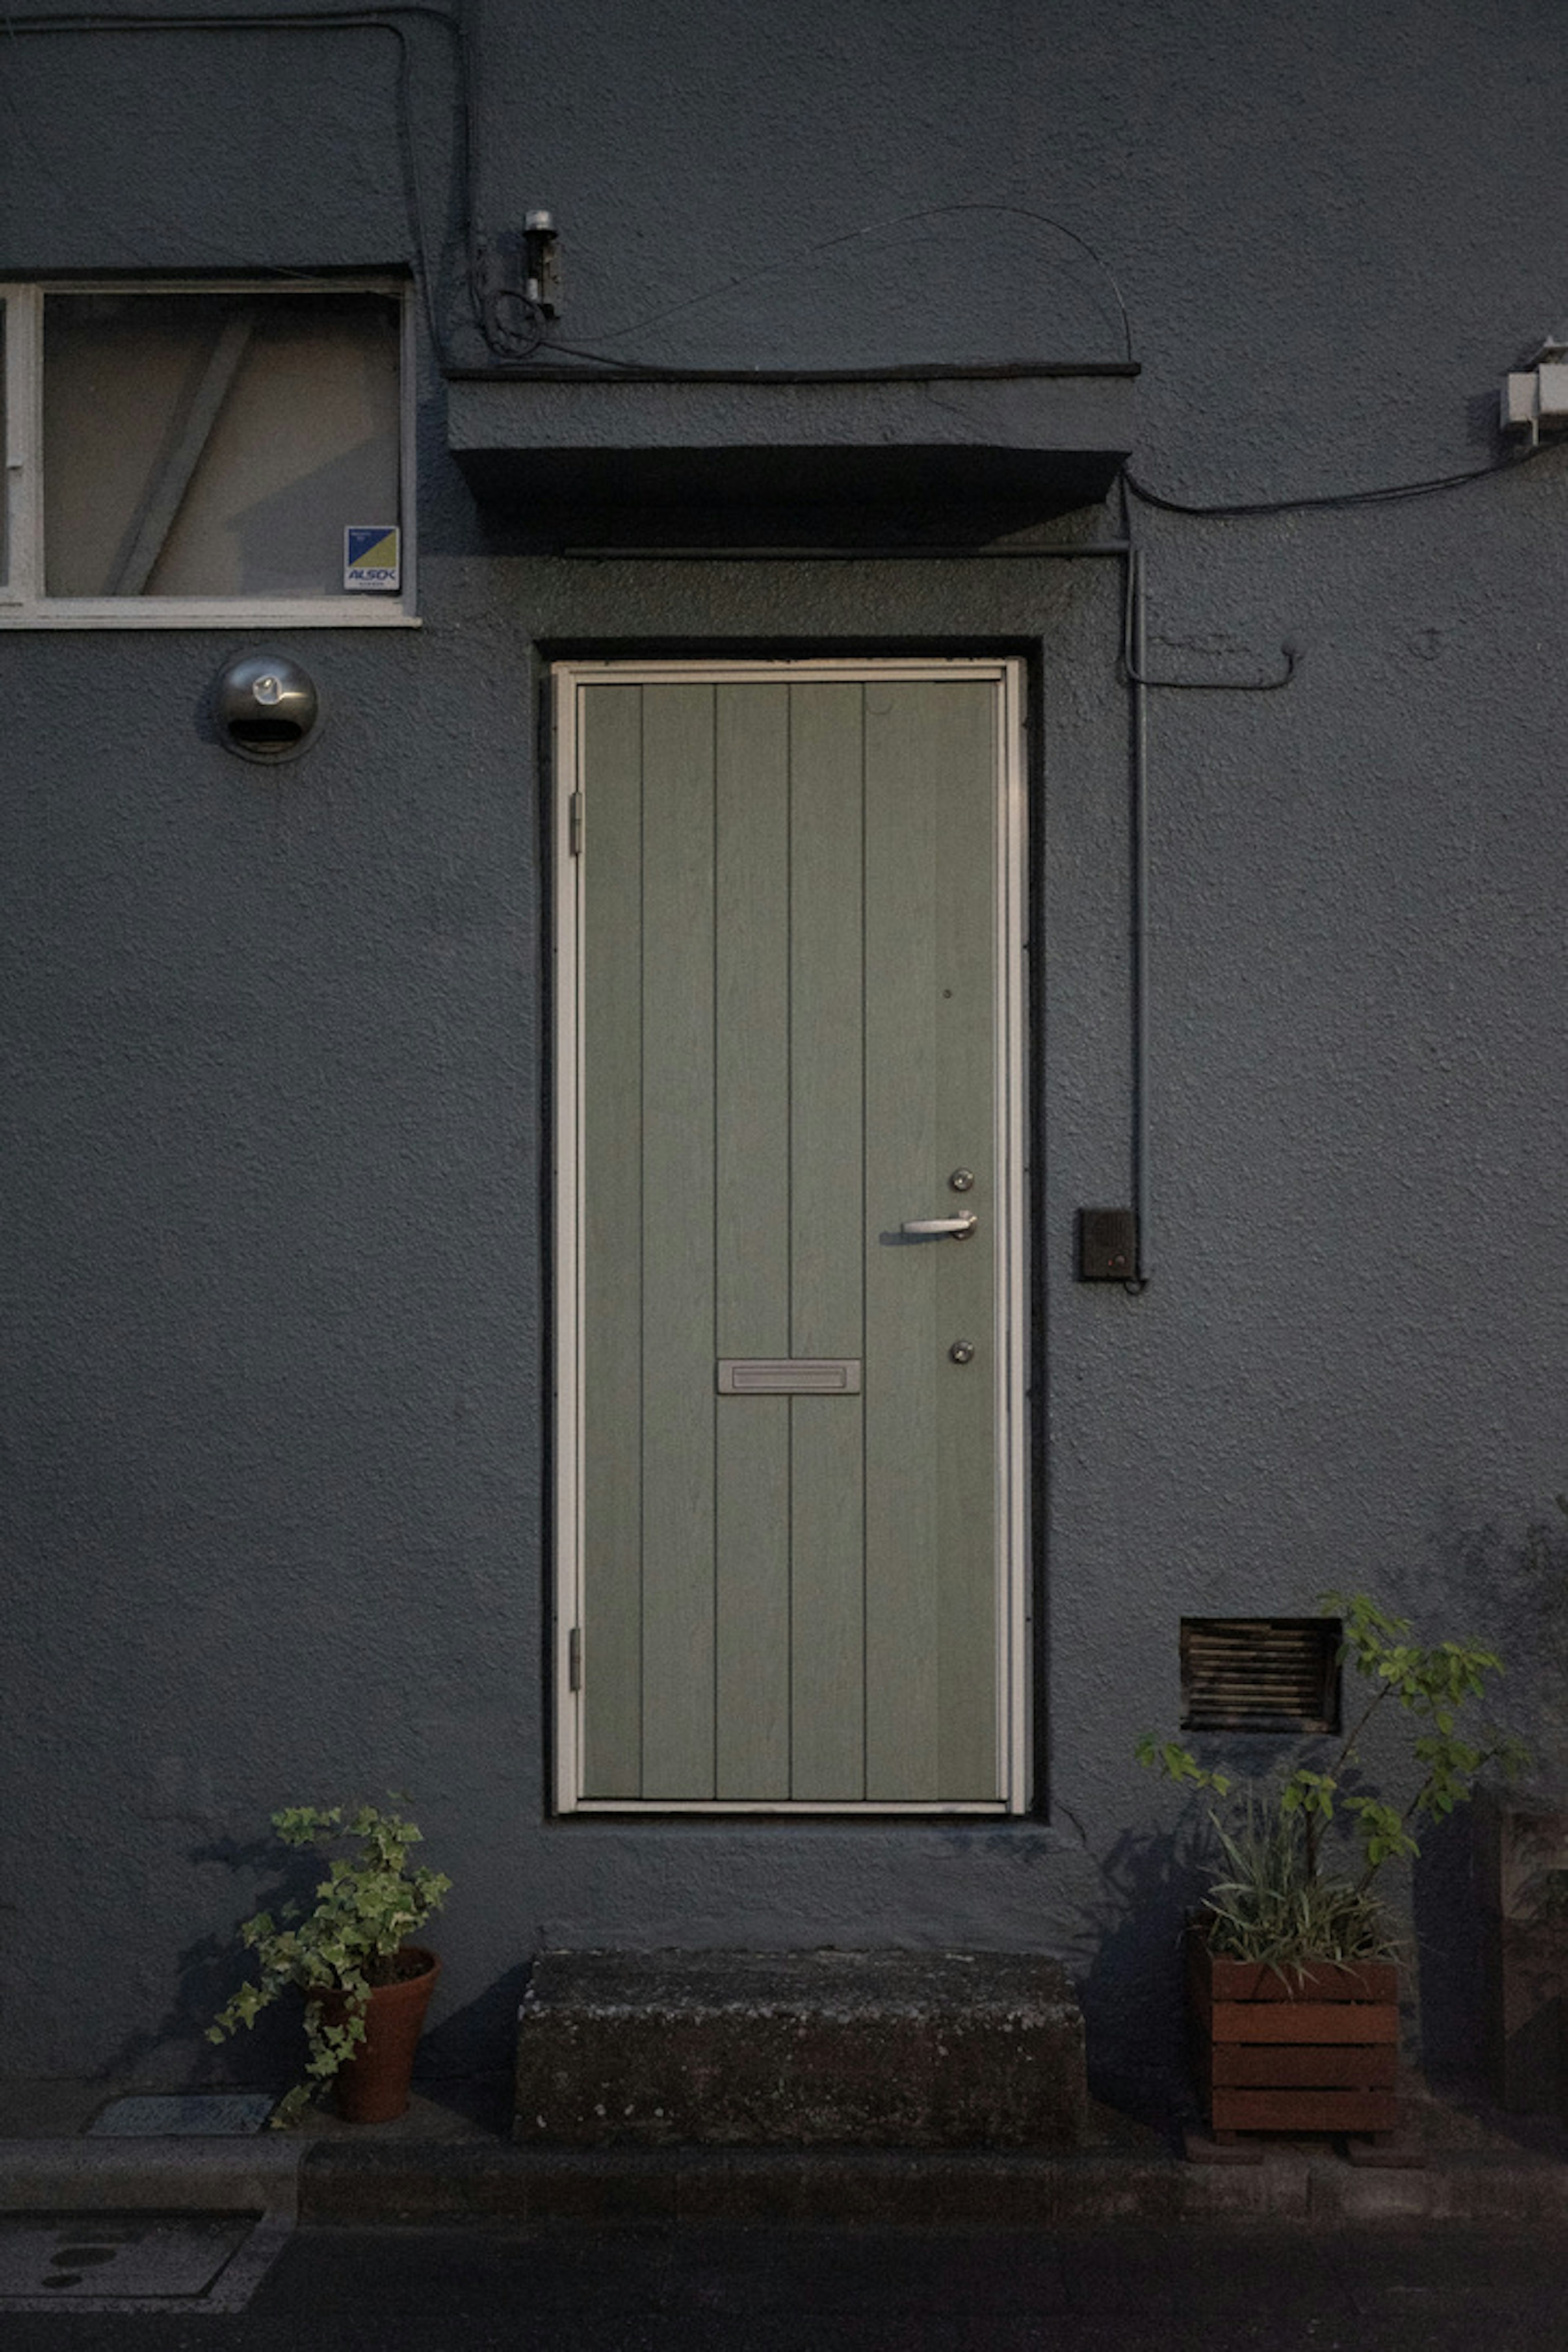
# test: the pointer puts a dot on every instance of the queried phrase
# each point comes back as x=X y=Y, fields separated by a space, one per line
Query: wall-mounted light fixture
x=267 y=707
x=541 y=256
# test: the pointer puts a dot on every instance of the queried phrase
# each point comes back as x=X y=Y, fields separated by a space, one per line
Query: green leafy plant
x=1275 y=1896
x=348 y=1941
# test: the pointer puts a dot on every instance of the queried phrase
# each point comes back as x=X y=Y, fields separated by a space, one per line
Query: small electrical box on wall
x=1107 y=1245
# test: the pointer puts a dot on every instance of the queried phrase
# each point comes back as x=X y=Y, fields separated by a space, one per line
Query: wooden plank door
x=789 y=1509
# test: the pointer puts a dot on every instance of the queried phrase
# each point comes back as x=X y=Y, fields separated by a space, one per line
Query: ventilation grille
x=1260 y=1673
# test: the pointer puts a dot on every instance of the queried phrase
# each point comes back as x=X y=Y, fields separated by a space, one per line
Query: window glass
x=216 y=444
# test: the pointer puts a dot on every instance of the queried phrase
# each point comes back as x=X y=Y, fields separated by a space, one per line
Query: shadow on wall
x=1130 y=1989
x=1509 y=1587
x=1448 y=1951
x=477 y=2041
x=1543 y=1572
x=479 y=2038
x=1515 y=1587
x=175 y=2052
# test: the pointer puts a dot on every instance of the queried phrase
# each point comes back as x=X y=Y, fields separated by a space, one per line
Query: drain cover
x=220 y=2115
x=134 y=2261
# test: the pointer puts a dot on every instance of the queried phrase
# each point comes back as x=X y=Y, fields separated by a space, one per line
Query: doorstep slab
x=806 y=2049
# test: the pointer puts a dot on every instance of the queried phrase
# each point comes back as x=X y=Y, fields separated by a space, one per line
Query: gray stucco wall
x=273 y=1426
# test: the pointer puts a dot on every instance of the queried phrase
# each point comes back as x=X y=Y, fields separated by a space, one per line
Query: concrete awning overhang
x=991 y=449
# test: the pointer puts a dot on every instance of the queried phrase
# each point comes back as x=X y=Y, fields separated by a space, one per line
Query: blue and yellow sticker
x=371 y=557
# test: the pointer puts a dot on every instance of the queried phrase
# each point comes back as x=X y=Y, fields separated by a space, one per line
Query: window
x=190 y=454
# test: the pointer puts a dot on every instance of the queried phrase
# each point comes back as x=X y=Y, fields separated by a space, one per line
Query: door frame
x=570 y=827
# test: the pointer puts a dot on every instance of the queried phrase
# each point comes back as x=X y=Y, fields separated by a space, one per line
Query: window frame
x=24 y=603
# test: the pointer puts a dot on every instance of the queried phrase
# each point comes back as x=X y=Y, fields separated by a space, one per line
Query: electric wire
x=523 y=349
x=380 y=19
x=1377 y=495
x=881 y=228
x=918 y=372
x=542 y=342
x=520 y=349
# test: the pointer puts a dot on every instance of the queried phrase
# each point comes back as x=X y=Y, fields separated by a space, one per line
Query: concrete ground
x=435 y=2234
x=448 y=2159
x=725 y=2287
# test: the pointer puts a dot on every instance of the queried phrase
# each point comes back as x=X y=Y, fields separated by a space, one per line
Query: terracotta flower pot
x=373 y=2085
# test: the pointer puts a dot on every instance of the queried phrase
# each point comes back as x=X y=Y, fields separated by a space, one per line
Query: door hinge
x=575 y=815
x=574 y=1659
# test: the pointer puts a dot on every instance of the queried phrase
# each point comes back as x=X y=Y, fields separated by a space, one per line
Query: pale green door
x=790 y=1572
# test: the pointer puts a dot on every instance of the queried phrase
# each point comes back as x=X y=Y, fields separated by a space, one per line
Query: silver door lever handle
x=958 y=1228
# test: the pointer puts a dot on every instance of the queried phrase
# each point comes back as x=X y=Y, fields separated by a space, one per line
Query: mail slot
x=789 y=1375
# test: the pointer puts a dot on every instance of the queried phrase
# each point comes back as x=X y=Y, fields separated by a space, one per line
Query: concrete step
x=878 y=2049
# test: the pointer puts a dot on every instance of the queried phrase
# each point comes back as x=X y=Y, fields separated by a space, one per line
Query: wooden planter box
x=1308 y=2052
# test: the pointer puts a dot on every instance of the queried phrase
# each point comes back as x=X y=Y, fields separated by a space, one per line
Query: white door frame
x=570 y=829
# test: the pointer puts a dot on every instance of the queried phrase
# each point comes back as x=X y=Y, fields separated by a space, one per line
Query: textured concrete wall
x=272 y=1421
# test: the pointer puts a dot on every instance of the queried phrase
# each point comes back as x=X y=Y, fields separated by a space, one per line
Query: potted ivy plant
x=366 y=1987
x=1292 y=1958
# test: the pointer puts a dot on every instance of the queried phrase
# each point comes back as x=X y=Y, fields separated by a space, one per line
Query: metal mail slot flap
x=789 y=1375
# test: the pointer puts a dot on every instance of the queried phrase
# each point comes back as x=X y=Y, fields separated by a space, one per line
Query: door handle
x=957 y=1229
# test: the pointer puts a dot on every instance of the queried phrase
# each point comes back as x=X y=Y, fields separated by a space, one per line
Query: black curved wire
x=1376 y=496
x=535 y=339
x=850 y=236
x=380 y=19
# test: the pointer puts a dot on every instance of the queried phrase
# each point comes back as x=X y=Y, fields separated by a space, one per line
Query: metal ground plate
x=204 y=2114
x=136 y=2262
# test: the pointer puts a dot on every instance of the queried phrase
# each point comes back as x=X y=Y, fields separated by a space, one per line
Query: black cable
x=650 y=371
x=492 y=331
x=382 y=19
x=523 y=343
x=883 y=228
x=1331 y=500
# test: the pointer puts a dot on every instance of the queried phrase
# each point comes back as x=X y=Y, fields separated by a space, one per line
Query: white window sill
x=209 y=613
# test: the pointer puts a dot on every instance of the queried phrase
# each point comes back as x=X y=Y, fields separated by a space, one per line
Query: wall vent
x=1260 y=1673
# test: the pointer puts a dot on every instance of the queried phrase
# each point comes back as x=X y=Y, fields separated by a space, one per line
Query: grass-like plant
x=1269 y=1905
x=1275 y=1897
x=348 y=1941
